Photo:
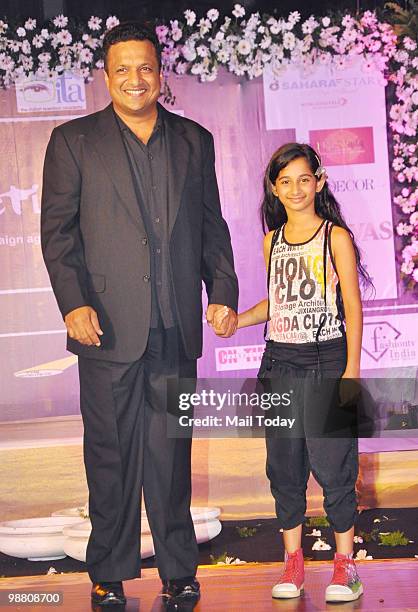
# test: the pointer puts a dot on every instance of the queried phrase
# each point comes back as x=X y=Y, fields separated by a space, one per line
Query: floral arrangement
x=244 y=45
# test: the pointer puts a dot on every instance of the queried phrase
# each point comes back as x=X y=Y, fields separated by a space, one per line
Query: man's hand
x=222 y=319
x=83 y=325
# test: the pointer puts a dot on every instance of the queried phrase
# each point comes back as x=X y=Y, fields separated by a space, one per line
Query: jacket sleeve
x=218 y=261
x=61 y=240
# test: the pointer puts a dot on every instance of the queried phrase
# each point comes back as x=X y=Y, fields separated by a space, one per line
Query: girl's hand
x=351 y=373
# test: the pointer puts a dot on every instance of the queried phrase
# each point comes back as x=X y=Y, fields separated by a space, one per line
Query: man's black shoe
x=108 y=594
x=181 y=591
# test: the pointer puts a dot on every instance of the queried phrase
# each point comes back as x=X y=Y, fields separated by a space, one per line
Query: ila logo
x=66 y=92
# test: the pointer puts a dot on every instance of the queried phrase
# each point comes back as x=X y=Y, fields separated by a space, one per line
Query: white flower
x=45 y=33
x=414 y=98
x=266 y=42
x=409 y=44
x=358 y=540
x=398 y=164
x=362 y=554
x=403 y=229
x=91 y=42
x=231 y=561
x=347 y=21
x=324 y=58
x=204 y=25
x=321 y=545
x=222 y=56
x=244 y=47
x=14 y=45
x=3 y=27
x=190 y=17
x=30 y=24
x=26 y=48
x=289 y=40
x=189 y=53
x=326 y=21
x=111 y=22
x=181 y=68
x=407 y=268
x=202 y=51
x=239 y=11
x=60 y=21
x=44 y=57
x=197 y=68
x=94 y=23
x=294 y=17
x=21 y=32
x=100 y=64
x=38 y=41
x=213 y=14
x=86 y=56
x=64 y=37
x=340 y=62
x=176 y=34
x=315 y=533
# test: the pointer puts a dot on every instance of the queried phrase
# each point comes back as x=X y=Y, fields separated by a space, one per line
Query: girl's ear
x=321 y=182
x=273 y=189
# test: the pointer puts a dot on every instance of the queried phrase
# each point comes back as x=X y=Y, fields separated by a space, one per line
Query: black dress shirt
x=149 y=167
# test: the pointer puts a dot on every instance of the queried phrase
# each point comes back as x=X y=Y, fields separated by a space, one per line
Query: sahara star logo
x=345 y=146
x=66 y=92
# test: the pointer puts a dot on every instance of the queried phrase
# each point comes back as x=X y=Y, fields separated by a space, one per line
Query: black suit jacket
x=94 y=241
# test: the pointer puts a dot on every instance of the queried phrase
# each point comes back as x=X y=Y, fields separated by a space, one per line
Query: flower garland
x=245 y=45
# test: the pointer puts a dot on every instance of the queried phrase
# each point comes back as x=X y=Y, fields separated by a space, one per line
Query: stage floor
x=389 y=585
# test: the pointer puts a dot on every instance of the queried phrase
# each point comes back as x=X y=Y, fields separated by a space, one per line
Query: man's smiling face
x=133 y=77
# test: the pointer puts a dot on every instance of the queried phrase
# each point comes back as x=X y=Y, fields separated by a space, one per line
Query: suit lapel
x=109 y=146
x=178 y=153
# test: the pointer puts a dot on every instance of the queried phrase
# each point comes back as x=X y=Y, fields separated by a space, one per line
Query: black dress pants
x=126 y=450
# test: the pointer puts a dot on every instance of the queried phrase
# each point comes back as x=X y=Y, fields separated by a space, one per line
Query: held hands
x=83 y=325
x=222 y=319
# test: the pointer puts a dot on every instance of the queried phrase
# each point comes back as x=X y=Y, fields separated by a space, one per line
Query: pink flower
x=161 y=32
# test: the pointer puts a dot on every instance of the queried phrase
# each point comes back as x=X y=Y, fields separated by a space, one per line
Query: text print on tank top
x=296 y=290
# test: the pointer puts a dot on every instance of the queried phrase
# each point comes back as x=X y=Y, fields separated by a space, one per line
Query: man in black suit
x=131 y=225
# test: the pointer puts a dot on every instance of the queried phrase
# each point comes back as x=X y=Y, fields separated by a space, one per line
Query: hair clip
x=319 y=171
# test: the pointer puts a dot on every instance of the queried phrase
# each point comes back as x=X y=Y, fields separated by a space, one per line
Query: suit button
x=146 y=278
x=144 y=241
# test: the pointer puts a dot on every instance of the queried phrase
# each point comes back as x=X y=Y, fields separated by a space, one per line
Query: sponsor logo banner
x=390 y=341
x=66 y=92
x=341 y=147
x=239 y=357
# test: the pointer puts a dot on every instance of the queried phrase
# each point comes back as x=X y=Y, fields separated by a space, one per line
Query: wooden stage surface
x=390 y=586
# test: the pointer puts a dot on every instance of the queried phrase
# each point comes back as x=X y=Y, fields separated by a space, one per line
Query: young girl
x=313 y=265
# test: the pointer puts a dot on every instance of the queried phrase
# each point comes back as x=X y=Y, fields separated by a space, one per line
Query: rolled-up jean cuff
x=287 y=525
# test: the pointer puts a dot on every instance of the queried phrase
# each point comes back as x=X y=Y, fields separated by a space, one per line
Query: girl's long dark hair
x=273 y=213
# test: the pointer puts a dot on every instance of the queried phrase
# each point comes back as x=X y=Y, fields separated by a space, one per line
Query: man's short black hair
x=130 y=30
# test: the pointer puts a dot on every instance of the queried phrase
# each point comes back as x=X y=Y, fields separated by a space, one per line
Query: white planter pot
x=77 y=536
x=36 y=539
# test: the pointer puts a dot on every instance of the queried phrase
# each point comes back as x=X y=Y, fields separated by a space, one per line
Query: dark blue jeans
x=290 y=459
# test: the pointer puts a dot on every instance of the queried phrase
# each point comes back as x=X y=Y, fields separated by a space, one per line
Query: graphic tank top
x=299 y=305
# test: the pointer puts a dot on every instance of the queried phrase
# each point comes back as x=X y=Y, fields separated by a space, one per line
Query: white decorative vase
x=35 y=539
x=205 y=520
x=77 y=537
